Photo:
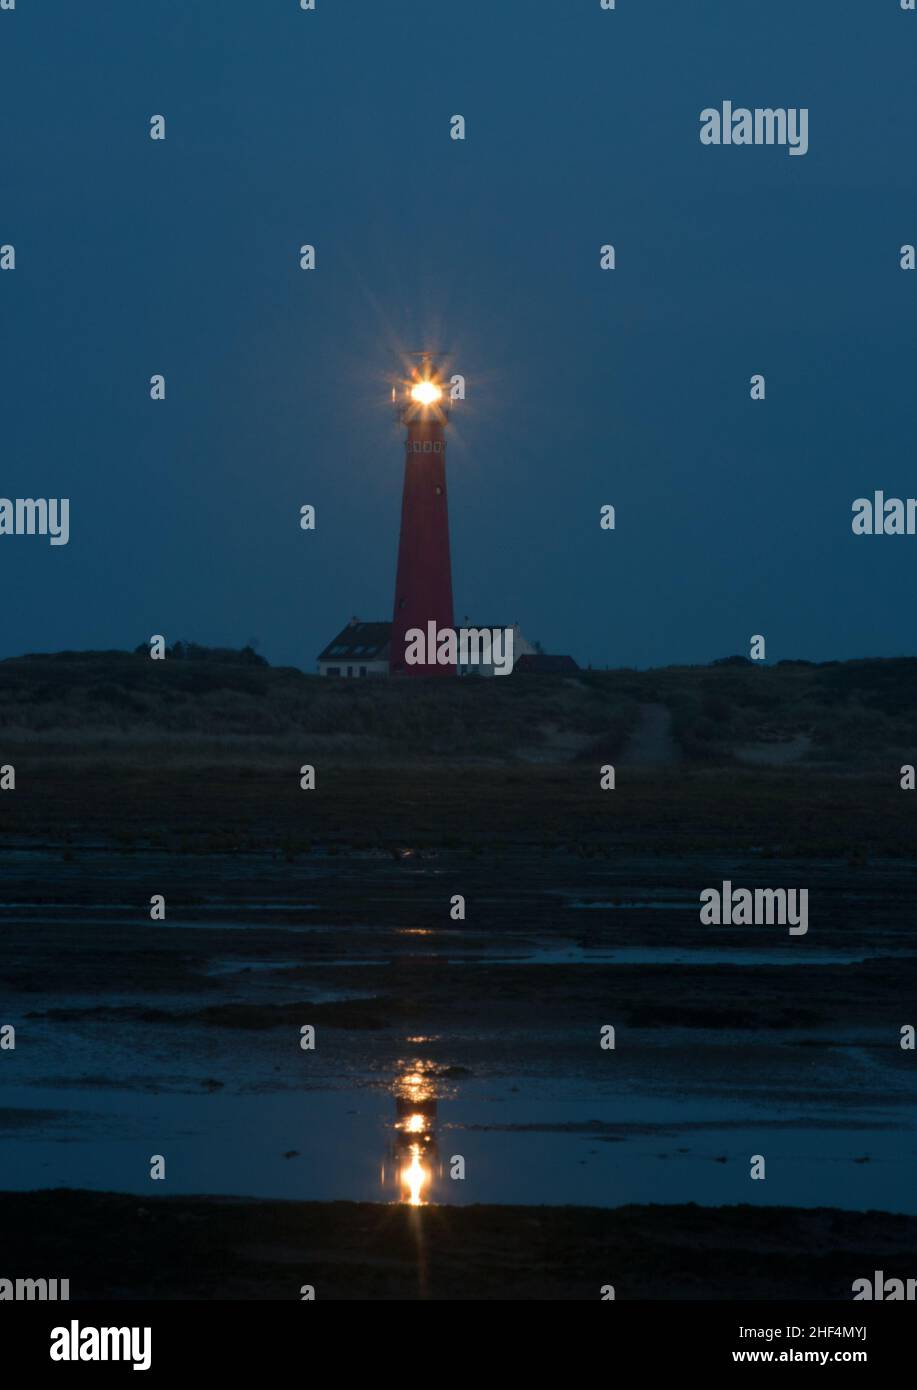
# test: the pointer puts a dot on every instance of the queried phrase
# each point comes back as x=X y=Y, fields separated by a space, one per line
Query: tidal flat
x=181 y=1038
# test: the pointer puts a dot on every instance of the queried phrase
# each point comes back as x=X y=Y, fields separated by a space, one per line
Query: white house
x=362 y=649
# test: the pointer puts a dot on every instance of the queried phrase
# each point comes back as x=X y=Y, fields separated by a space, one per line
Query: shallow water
x=508 y=1071
x=533 y=1146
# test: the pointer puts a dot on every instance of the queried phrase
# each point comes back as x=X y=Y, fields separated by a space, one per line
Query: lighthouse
x=423 y=583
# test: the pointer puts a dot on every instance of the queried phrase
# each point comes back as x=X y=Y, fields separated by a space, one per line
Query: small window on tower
x=439 y=492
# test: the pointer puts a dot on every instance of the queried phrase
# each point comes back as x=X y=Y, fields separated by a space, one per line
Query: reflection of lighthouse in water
x=413 y=1152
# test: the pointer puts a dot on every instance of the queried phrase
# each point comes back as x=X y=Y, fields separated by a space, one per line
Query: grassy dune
x=230 y=706
x=203 y=753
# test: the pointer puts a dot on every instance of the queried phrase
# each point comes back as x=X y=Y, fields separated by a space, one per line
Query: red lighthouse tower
x=423 y=585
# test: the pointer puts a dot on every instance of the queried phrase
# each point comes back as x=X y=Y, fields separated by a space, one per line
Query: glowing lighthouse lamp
x=423 y=584
x=426 y=392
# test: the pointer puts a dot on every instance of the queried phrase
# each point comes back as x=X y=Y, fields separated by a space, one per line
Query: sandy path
x=652 y=741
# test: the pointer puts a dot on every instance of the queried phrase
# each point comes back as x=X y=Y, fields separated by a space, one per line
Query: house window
x=333 y=671
x=362 y=670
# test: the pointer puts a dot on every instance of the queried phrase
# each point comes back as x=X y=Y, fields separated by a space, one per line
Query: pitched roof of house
x=542 y=665
x=359 y=642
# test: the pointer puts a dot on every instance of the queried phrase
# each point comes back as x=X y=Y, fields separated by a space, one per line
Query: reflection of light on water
x=414 y=1140
x=415 y=1175
x=415 y=1086
x=414 y=1178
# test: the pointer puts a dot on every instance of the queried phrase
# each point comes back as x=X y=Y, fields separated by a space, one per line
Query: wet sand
x=114 y=1247
x=221 y=806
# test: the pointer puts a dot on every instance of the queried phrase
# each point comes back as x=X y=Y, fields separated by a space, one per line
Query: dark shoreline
x=243 y=807
x=114 y=1246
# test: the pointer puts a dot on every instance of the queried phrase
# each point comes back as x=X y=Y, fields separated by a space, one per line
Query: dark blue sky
x=632 y=387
